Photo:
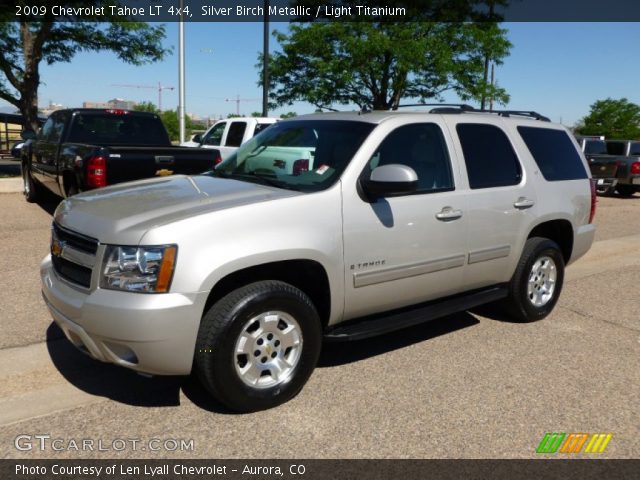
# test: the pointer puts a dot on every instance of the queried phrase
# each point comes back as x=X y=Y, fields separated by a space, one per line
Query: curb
x=11 y=185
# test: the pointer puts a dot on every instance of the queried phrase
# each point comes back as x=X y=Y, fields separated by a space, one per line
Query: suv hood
x=123 y=213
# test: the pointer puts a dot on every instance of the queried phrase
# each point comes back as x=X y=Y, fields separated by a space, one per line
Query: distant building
x=113 y=103
x=52 y=107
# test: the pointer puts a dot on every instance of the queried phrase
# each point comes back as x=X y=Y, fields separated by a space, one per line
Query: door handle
x=523 y=203
x=448 y=213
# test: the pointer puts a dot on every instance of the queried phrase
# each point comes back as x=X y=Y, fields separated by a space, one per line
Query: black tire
x=216 y=363
x=30 y=188
x=625 y=190
x=520 y=304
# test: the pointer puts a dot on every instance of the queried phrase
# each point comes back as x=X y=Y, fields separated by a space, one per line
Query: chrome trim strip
x=489 y=254
x=77 y=256
x=362 y=279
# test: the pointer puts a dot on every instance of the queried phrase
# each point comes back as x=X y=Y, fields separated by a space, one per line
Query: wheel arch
x=558 y=230
x=310 y=276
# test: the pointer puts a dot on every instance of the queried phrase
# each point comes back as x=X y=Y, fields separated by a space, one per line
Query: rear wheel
x=537 y=282
x=625 y=190
x=258 y=345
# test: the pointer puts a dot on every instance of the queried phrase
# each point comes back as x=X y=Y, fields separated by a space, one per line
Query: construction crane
x=159 y=87
x=238 y=100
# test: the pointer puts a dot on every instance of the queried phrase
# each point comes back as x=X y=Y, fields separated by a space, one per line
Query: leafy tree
x=146 y=107
x=233 y=115
x=256 y=114
x=172 y=124
x=26 y=43
x=288 y=115
x=375 y=65
x=612 y=118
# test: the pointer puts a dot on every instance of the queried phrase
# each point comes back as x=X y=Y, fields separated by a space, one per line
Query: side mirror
x=27 y=134
x=196 y=138
x=390 y=180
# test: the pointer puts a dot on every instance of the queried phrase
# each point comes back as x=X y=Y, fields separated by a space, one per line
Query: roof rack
x=464 y=108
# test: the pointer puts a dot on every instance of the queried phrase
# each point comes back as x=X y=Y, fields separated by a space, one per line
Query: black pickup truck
x=603 y=165
x=82 y=149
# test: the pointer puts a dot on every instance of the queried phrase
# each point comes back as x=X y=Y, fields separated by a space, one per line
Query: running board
x=378 y=324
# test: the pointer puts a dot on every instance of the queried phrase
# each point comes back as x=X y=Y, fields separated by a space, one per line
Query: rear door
x=500 y=201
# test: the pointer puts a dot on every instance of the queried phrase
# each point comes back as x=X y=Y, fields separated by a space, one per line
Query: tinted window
x=554 y=153
x=214 y=137
x=45 y=131
x=421 y=147
x=118 y=129
x=236 y=133
x=616 y=148
x=488 y=155
x=260 y=127
x=635 y=148
x=595 y=147
x=58 y=127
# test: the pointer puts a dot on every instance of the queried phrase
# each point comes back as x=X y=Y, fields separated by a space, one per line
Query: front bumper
x=150 y=333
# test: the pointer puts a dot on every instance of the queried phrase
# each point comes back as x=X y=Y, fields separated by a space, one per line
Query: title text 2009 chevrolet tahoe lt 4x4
x=336 y=226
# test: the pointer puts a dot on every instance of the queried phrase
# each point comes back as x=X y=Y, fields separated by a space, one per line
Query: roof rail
x=463 y=107
x=454 y=107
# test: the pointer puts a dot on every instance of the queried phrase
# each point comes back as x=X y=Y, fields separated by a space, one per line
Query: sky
x=557 y=69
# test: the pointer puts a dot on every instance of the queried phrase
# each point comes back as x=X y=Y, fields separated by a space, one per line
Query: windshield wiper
x=263 y=179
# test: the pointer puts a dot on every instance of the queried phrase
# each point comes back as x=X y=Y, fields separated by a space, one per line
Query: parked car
x=227 y=135
x=82 y=149
x=391 y=219
x=602 y=165
x=628 y=165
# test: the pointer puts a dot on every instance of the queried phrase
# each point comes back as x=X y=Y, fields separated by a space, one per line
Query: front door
x=406 y=249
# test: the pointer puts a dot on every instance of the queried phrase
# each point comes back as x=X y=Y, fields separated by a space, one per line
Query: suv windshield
x=299 y=155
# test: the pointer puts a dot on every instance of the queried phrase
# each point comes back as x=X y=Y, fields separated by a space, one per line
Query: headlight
x=138 y=269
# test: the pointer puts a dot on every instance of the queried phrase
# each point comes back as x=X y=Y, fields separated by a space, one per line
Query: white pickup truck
x=227 y=135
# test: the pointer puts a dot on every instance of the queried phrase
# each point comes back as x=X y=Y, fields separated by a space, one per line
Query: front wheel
x=258 y=346
x=537 y=282
x=29 y=185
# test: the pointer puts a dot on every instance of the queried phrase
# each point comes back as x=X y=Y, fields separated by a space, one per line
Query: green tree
x=26 y=43
x=146 y=107
x=375 y=65
x=172 y=124
x=611 y=118
x=288 y=115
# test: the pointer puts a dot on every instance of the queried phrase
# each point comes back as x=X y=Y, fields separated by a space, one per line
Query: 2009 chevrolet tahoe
x=327 y=226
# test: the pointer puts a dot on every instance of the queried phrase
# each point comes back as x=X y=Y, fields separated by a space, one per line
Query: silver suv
x=327 y=226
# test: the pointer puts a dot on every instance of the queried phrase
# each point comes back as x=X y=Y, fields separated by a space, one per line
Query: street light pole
x=265 y=61
x=181 y=103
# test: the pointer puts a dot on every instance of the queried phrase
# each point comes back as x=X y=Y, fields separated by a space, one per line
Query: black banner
x=583 y=469
x=322 y=10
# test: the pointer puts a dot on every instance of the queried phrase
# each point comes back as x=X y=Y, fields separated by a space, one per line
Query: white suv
x=328 y=226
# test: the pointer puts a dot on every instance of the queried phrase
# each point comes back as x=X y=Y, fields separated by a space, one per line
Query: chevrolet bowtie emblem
x=57 y=247
x=164 y=172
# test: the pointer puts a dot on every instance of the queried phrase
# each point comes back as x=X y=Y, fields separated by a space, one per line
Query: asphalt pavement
x=465 y=386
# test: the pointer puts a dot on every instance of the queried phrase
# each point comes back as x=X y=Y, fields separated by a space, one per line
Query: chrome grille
x=73 y=255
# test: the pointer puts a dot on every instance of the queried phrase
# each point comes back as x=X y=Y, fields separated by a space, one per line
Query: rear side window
x=554 y=152
x=635 y=148
x=235 y=134
x=488 y=155
x=260 y=127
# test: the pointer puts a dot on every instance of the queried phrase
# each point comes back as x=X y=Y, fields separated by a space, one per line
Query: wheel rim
x=268 y=349
x=542 y=281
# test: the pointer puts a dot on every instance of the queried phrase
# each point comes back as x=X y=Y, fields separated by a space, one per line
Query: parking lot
x=465 y=386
